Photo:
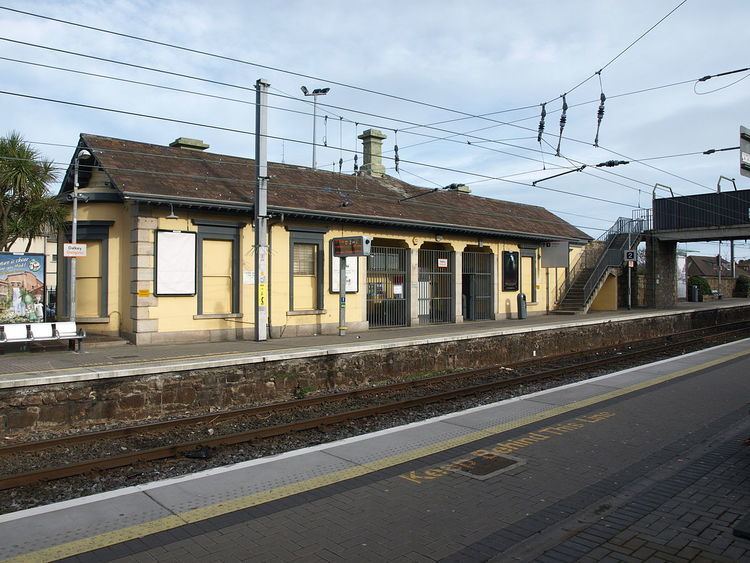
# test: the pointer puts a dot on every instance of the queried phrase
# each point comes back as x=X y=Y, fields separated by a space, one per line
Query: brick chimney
x=188 y=143
x=372 y=152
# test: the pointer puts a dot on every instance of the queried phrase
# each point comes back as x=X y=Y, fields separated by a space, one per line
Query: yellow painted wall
x=177 y=313
x=606 y=299
x=305 y=287
x=86 y=303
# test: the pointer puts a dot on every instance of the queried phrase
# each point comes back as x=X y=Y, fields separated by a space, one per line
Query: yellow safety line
x=106 y=539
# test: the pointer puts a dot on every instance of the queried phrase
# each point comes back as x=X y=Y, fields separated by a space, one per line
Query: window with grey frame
x=226 y=232
x=86 y=231
x=306 y=269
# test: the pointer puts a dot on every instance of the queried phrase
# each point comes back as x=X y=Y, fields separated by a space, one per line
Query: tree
x=27 y=209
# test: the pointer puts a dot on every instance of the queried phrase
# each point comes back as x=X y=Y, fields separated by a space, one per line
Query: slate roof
x=148 y=172
x=706 y=266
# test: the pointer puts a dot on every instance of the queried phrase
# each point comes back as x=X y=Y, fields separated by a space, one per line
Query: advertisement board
x=21 y=287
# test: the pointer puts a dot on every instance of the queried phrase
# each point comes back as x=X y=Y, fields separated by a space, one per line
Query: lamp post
x=83 y=153
x=315 y=93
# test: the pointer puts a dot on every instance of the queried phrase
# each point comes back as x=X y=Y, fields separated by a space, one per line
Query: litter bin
x=522 y=306
x=694 y=295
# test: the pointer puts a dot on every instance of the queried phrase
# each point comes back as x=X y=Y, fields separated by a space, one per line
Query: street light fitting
x=315 y=93
x=83 y=153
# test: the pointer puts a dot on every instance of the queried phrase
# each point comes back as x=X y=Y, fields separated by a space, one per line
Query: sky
x=437 y=62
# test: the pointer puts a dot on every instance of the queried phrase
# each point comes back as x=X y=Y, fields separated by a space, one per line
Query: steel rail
x=273 y=408
x=163 y=452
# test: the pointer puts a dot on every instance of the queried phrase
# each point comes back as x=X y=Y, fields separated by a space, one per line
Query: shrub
x=705 y=289
x=742 y=287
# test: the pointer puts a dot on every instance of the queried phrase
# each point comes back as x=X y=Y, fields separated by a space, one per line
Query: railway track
x=428 y=390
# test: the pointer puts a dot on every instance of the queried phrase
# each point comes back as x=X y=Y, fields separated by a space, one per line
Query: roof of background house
x=143 y=171
x=705 y=266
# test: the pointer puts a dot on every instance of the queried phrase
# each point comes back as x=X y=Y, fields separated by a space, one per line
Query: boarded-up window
x=89 y=281
x=528 y=278
x=217 y=276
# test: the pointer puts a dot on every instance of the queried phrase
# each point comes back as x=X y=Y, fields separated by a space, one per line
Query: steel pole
x=342 y=296
x=315 y=121
x=261 y=210
x=74 y=240
x=719 y=291
x=630 y=291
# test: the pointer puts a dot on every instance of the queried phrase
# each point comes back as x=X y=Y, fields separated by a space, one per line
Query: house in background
x=707 y=267
x=170 y=247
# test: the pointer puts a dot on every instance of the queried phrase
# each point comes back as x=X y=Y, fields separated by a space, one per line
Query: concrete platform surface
x=21 y=369
x=647 y=462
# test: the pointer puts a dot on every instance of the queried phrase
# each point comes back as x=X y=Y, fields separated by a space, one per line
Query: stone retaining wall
x=181 y=393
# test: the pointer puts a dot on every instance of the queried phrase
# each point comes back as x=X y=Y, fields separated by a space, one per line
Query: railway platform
x=27 y=369
x=649 y=463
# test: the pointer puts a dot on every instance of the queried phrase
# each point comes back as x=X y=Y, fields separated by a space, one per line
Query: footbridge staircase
x=600 y=258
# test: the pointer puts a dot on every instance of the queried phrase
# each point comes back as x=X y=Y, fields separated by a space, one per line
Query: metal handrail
x=613 y=255
x=591 y=256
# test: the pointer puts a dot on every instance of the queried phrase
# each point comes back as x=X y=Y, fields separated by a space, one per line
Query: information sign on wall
x=71 y=250
x=352 y=274
x=175 y=263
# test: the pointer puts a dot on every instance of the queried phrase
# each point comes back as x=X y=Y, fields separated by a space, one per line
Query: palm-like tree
x=27 y=209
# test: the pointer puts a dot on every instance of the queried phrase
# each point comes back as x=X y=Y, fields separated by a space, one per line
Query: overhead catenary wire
x=326 y=105
x=247 y=132
x=196 y=51
x=303 y=75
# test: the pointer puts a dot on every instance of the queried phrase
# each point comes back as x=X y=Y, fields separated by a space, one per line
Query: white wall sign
x=352 y=274
x=248 y=278
x=442 y=262
x=74 y=250
x=175 y=263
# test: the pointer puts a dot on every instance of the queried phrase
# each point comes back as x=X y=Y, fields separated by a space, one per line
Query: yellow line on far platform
x=106 y=539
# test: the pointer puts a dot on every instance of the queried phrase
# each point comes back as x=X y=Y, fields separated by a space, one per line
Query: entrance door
x=388 y=287
x=476 y=283
x=436 y=286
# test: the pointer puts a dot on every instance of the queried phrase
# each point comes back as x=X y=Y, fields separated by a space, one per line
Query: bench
x=39 y=332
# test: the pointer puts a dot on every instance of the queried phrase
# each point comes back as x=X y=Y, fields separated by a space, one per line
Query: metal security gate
x=388 y=287
x=476 y=286
x=437 y=286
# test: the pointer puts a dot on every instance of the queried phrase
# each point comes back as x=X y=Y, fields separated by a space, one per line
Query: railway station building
x=170 y=247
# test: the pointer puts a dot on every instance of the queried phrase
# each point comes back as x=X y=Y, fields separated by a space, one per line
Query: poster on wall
x=175 y=263
x=510 y=271
x=352 y=274
x=21 y=287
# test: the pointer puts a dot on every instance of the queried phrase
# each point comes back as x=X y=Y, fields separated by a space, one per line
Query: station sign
x=629 y=256
x=74 y=250
x=745 y=151
x=351 y=246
